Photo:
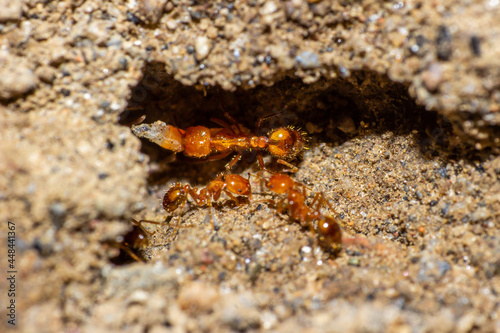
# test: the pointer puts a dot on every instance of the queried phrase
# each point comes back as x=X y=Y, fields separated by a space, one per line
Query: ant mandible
x=283 y=143
x=327 y=228
x=230 y=184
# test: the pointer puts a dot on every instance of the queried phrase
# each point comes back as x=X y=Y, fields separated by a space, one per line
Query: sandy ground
x=401 y=103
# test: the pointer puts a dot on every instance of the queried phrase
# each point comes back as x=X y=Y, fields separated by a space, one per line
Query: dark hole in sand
x=331 y=111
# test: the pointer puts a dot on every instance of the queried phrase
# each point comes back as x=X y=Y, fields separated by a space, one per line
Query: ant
x=230 y=184
x=135 y=239
x=138 y=237
x=327 y=228
x=283 y=143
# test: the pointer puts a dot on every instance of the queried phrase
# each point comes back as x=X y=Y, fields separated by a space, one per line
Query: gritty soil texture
x=401 y=101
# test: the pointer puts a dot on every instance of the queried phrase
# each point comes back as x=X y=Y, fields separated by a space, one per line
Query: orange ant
x=176 y=196
x=230 y=184
x=327 y=228
x=283 y=143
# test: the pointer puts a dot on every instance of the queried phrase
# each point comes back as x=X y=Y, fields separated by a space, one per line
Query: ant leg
x=282 y=206
x=270 y=202
x=217 y=193
x=231 y=119
x=318 y=200
x=292 y=167
x=259 y=178
x=213 y=219
x=250 y=194
x=217 y=157
x=136 y=121
x=234 y=128
x=304 y=189
x=211 y=216
x=235 y=123
x=329 y=205
x=198 y=198
x=130 y=253
x=235 y=160
x=139 y=224
x=231 y=196
x=234 y=198
x=223 y=124
x=261 y=163
x=260 y=120
x=322 y=201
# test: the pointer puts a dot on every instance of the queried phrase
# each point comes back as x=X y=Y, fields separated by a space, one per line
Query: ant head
x=174 y=197
x=280 y=183
x=286 y=142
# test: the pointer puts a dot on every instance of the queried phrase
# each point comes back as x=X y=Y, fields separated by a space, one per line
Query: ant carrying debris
x=326 y=227
x=283 y=143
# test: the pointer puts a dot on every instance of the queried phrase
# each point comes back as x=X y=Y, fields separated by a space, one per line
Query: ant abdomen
x=238 y=185
x=330 y=236
x=197 y=142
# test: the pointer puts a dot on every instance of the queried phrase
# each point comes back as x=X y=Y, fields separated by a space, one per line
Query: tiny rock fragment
x=46 y=74
x=198 y=297
x=11 y=10
x=347 y=125
x=15 y=78
x=172 y=24
x=433 y=77
x=268 y=8
x=312 y=128
x=308 y=59
x=151 y=10
x=212 y=32
x=202 y=47
x=444 y=43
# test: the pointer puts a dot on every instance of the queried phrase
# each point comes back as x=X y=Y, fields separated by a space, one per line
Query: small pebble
x=432 y=77
x=198 y=297
x=353 y=262
x=15 y=78
x=308 y=59
x=202 y=47
x=11 y=10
